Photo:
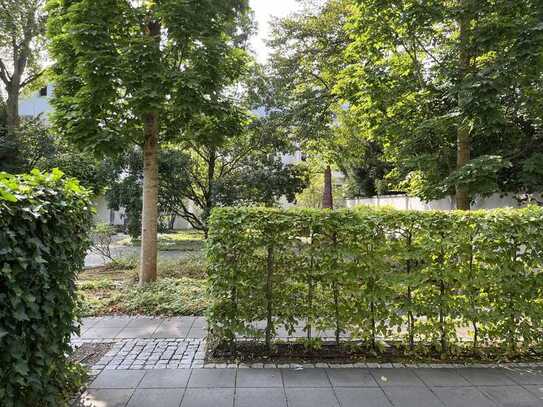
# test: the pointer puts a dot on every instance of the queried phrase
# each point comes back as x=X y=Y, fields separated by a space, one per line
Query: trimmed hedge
x=411 y=277
x=44 y=220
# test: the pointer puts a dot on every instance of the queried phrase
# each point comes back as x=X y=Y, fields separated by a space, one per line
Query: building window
x=43 y=91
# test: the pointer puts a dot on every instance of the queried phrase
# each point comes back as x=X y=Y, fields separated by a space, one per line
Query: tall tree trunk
x=463 y=139
x=463 y=156
x=12 y=108
x=10 y=159
x=149 y=216
x=327 y=199
x=149 y=223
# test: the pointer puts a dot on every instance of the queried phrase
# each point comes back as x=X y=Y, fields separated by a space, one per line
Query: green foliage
x=44 y=220
x=169 y=296
x=413 y=277
x=173 y=295
x=40 y=147
x=114 y=289
x=243 y=168
x=109 y=73
x=478 y=175
x=411 y=81
x=102 y=238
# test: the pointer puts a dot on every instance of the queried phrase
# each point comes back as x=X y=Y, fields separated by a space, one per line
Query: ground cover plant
x=114 y=289
x=411 y=279
x=44 y=221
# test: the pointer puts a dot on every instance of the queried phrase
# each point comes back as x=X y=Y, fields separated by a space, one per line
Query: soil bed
x=287 y=353
x=89 y=354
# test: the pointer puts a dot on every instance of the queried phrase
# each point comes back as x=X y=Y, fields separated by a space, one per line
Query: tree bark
x=327 y=199
x=12 y=108
x=463 y=139
x=463 y=156
x=149 y=223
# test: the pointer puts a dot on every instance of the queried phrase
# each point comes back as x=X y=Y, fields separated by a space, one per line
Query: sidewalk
x=160 y=363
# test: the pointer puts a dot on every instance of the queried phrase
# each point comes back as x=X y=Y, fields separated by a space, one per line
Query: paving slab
x=208 y=398
x=156 y=397
x=117 y=379
x=197 y=333
x=396 y=377
x=199 y=322
x=462 y=397
x=537 y=391
x=274 y=397
x=144 y=331
x=486 y=377
x=259 y=378
x=311 y=397
x=144 y=322
x=165 y=378
x=305 y=378
x=172 y=329
x=106 y=397
x=101 y=333
x=213 y=378
x=362 y=397
x=441 y=377
x=525 y=375
x=112 y=322
x=352 y=377
x=511 y=396
x=406 y=396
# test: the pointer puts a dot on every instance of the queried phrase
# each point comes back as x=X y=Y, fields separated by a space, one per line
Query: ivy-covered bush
x=44 y=220
x=410 y=277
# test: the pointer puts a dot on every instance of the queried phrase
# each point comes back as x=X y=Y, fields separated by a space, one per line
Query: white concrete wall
x=34 y=105
x=414 y=203
x=105 y=215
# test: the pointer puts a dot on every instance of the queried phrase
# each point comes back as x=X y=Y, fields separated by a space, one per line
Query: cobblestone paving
x=138 y=344
x=135 y=354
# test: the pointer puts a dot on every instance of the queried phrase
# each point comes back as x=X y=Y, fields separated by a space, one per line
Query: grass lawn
x=180 y=240
x=180 y=289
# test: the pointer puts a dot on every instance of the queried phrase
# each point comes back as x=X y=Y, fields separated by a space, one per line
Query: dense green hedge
x=413 y=277
x=44 y=220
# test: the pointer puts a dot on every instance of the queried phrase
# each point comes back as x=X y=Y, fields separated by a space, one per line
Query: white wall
x=105 y=215
x=414 y=203
x=34 y=105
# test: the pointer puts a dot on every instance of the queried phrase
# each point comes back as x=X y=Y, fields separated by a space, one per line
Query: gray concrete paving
x=160 y=362
x=315 y=387
x=119 y=252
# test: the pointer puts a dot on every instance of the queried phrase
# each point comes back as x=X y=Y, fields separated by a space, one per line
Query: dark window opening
x=43 y=91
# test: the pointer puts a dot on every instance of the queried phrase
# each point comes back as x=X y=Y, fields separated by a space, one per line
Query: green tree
x=39 y=147
x=307 y=56
x=22 y=25
x=126 y=189
x=195 y=178
x=126 y=71
x=450 y=89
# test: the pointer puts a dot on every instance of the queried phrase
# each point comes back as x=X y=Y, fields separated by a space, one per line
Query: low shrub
x=410 y=277
x=44 y=220
x=102 y=237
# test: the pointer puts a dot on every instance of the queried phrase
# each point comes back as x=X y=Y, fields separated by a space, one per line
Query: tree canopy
x=135 y=72
x=434 y=80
